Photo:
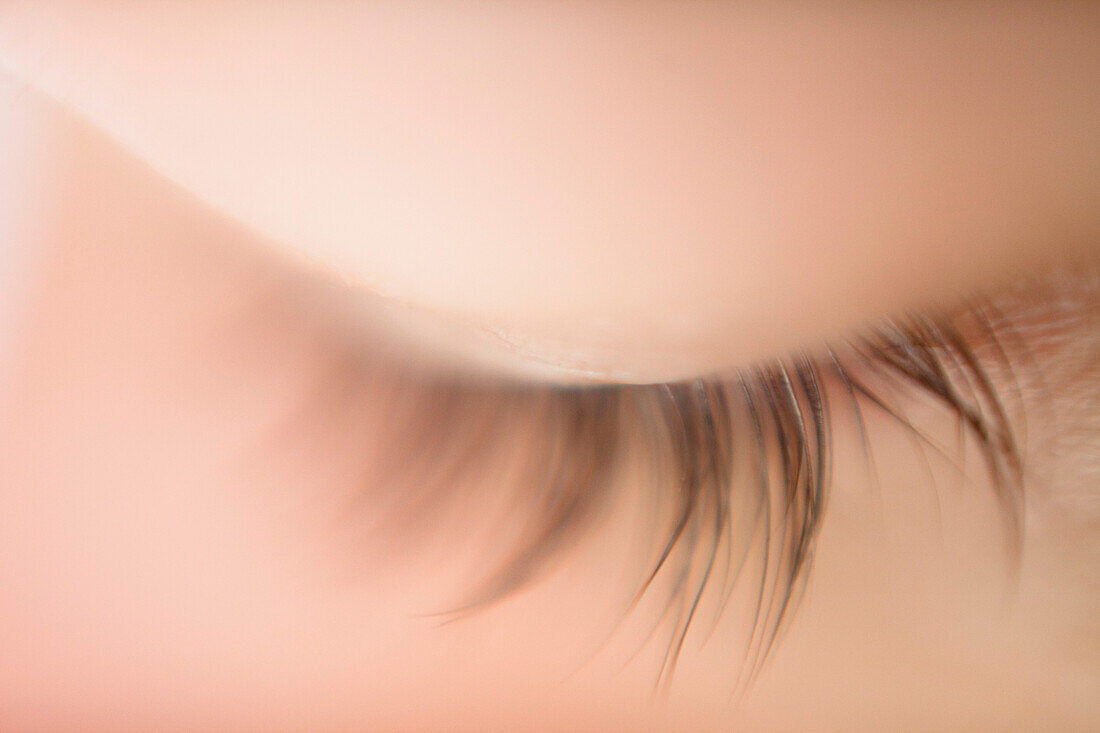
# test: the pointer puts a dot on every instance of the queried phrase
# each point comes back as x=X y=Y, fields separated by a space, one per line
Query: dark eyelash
x=737 y=459
x=788 y=418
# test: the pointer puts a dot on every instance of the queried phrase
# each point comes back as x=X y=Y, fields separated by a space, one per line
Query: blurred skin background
x=305 y=306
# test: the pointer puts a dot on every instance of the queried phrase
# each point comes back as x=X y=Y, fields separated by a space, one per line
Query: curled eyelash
x=739 y=463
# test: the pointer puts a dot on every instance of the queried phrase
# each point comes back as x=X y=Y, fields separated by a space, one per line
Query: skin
x=638 y=194
x=165 y=565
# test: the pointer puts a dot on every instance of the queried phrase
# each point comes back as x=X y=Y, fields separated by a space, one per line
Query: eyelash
x=732 y=500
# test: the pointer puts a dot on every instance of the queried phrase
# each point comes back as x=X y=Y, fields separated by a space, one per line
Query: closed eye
x=737 y=464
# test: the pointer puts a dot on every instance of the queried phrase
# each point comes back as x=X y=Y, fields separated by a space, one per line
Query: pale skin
x=159 y=569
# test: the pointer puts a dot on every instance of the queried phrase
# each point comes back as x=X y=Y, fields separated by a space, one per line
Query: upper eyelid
x=944 y=271
x=442 y=345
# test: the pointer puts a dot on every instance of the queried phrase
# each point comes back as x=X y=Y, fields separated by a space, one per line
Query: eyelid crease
x=741 y=462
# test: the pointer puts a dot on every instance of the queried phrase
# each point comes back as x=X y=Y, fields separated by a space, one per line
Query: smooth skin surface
x=637 y=191
x=165 y=565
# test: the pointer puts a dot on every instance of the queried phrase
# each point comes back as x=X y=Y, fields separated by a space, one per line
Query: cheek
x=23 y=149
x=126 y=550
x=156 y=568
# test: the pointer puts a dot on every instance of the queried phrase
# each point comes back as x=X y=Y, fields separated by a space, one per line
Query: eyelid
x=443 y=343
x=976 y=186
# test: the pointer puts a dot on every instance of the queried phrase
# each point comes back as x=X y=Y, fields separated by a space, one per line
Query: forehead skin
x=629 y=191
